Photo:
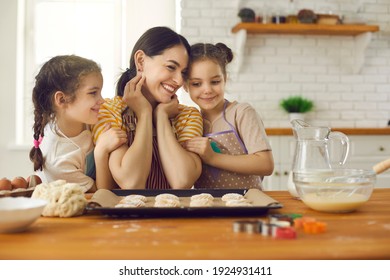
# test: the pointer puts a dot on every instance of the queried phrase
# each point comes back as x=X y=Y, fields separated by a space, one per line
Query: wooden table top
x=364 y=234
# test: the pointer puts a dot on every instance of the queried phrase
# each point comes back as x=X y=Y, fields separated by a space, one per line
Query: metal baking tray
x=103 y=202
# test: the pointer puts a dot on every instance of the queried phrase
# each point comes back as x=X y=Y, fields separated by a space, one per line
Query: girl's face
x=164 y=74
x=85 y=108
x=206 y=85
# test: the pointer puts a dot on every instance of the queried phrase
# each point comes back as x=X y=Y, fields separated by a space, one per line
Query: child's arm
x=181 y=167
x=109 y=140
x=259 y=163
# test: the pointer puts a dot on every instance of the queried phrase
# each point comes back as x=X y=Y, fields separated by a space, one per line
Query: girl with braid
x=67 y=98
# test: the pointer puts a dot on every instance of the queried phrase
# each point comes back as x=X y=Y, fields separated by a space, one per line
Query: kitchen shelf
x=361 y=33
x=305 y=29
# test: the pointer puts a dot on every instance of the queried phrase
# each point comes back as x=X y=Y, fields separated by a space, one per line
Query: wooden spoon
x=381 y=166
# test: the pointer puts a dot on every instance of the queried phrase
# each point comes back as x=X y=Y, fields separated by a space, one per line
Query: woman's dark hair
x=153 y=42
x=60 y=73
x=219 y=53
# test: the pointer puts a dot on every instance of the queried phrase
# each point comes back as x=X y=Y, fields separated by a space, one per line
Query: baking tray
x=103 y=202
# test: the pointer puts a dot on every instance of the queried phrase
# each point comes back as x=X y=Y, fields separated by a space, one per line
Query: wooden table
x=364 y=234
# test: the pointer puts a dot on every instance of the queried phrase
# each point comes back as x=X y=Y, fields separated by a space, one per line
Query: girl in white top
x=234 y=150
x=67 y=99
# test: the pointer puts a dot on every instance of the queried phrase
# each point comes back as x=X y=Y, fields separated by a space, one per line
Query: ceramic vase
x=299 y=116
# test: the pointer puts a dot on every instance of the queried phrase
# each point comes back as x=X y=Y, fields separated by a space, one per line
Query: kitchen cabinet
x=365 y=151
x=283 y=148
x=362 y=36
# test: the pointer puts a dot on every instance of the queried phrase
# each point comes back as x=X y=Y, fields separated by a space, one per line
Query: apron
x=226 y=142
x=156 y=178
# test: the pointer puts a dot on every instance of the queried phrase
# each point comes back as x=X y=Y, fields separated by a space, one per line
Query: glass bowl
x=334 y=190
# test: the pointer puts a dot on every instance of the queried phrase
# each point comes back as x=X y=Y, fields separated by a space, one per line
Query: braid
x=40 y=120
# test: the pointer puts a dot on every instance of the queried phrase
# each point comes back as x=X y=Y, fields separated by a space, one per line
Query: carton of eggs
x=19 y=183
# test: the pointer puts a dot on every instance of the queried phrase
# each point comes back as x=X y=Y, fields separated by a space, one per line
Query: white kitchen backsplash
x=316 y=67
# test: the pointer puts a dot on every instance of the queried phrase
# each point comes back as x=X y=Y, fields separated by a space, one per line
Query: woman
x=146 y=107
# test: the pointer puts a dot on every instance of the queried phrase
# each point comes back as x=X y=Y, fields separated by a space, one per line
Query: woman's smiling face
x=164 y=74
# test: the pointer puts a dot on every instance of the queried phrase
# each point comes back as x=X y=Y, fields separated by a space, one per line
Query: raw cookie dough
x=164 y=196
x=238 y=202
x=202 y=196
x=201 y=202
x=133 y=197
x=166 y=202
x=232 y=196
x=131 y=204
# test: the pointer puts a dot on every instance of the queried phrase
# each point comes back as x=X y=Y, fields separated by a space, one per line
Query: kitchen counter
x=364 y=234
x=347 y=131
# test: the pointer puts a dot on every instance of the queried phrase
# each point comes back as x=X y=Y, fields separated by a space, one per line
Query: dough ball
x=164 y=196
x=131 y=204
x=133 y=197
x=202 y=196
x=63 y=199
x=232 y=196
x=201 y=202
x=238 y=202
x=166 y=202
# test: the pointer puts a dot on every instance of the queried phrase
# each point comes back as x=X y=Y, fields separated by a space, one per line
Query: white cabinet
x=368 y=150
x=365 y=152
x=283 y=148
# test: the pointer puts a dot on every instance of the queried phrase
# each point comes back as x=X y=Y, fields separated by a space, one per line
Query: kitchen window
x=88 y=28
x=102 y=30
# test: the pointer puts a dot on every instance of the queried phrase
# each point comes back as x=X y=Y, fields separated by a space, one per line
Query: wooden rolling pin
x=381 y=166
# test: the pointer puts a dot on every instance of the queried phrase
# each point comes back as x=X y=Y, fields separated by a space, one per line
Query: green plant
x=296 y=104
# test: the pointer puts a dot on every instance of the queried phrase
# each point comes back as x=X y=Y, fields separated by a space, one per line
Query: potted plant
x=296 y=106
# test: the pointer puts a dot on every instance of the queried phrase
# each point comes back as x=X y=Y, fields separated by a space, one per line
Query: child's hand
x=170 y=109
x=134 y=98
x=110 y=139
x=201 y=146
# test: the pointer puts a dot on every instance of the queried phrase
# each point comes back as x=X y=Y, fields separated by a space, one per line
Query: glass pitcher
x=312 y=149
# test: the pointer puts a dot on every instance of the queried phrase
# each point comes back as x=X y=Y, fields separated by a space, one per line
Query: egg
x=5 y=184
x=33 y=180
x=19 y=183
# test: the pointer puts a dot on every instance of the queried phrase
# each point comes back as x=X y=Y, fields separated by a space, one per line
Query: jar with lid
x=291 y=16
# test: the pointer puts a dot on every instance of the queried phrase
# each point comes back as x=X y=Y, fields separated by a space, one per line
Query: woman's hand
x=134 y=98
x=200 y=146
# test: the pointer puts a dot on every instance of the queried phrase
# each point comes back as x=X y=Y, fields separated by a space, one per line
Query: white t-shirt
x=65 y=158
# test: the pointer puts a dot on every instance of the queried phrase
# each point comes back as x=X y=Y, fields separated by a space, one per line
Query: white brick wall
x=317 y=67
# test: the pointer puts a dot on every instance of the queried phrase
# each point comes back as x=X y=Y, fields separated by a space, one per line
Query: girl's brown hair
x=219 y=53
x=60 y=73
